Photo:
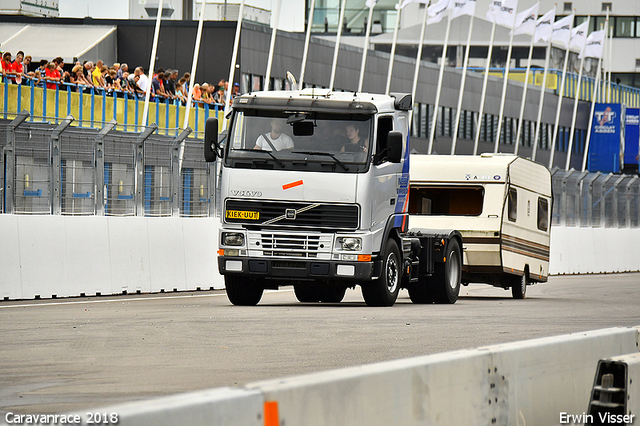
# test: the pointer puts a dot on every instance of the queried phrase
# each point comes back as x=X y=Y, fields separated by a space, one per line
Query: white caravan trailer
x=500 y=203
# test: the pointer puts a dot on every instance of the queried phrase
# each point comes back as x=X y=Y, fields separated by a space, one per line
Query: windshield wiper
x=277 y=160
x=328 y=154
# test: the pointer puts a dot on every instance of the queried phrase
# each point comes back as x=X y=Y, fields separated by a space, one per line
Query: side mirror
x=394 y=146
x=211 y=145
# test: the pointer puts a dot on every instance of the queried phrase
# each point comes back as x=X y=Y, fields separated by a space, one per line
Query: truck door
x=386 y=200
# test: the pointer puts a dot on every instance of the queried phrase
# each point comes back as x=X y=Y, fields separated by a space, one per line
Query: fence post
x=590 y=206
x=628 y=198
x=603 y=201
x=563 y=200
x=579 y=186
x=175 y=171
x=99 y=163
x=55 y=164
x=10 y=161
x=616 y=200
x=139 y=168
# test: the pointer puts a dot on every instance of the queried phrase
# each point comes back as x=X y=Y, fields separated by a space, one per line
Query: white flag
x=371 y=3
x=544 y=27
x=579 y=36
x=595 y=41
x=526 y=21
x=436 y=11
x=406 y=2
x=562 y=31
x=503 y=13
x=462 y=7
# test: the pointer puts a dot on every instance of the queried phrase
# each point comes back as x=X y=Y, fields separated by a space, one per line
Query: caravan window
x=513 y=205
x=543 y=214
x=447 y=201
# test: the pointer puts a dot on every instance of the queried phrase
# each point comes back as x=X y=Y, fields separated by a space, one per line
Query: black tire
x=243 y=291
x=332 y=294
x=447 y=275
x=519 y=287
x=421 y=292
x=384 y=290
x=306 y=293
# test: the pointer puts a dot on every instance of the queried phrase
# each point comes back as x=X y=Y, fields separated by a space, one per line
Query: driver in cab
x=274 y=140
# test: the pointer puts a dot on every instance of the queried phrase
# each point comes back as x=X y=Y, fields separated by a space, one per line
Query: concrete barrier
x=522 y=383
x=63 y=256
x=576 y=250
x=47 y=256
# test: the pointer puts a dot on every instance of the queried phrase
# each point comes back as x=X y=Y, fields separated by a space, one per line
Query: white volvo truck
x=314 y=193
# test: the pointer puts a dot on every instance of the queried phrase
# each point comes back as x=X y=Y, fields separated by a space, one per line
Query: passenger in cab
x=356 y=143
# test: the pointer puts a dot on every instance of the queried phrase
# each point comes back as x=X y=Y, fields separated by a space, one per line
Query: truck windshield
x=305 y=141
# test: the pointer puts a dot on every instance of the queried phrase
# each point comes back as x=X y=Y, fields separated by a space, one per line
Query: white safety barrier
x=576 y=250
x=534 y=382
x=63 y=256
x=45 y=256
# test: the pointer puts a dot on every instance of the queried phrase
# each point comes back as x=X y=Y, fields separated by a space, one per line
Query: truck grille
x=293 y=214
x=301 y=246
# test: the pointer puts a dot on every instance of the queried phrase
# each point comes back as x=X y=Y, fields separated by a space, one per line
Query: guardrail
x=608 y=91
x=94 y=108
x=537 y=382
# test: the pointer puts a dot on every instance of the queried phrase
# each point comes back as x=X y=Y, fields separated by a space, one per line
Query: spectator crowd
x=118 y=79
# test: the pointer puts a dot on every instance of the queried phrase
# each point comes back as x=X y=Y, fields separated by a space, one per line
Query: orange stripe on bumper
x=292 y=184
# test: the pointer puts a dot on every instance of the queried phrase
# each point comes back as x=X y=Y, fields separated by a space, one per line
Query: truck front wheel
x=384 y=290
x=243 y=291
x=448 y=274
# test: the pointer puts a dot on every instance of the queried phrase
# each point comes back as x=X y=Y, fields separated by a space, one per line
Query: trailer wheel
x=384 y=290
x=447 y=276
x=243 y=291
x=519 y=287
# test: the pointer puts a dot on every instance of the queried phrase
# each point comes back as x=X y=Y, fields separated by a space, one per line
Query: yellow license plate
x=238 y=214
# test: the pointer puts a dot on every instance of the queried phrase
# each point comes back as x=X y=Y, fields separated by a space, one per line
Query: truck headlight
x=350 y=243
x=234 y=239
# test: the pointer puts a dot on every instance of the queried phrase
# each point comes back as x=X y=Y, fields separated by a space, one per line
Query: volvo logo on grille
x=290 y=214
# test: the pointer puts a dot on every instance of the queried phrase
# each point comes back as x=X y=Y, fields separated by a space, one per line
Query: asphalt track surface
x=81 y=353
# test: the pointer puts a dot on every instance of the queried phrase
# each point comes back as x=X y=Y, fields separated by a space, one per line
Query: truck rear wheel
x=243 y=291
x=384 y=290
x=447 y=276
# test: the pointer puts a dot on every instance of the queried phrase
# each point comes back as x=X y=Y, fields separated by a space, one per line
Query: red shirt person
x=53 y=76
x=18 y=68
x=7 y=66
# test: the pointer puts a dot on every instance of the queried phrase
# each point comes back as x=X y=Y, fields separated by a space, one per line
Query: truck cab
x=314 y=194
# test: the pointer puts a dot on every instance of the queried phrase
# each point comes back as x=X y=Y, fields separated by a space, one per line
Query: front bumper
x=297 y=269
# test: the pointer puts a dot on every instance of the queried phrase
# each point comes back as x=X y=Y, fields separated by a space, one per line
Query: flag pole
x=194 y=65
x=609 y=64
x=575 y=102
x=432 y=130
x=593 y=100
x=484 y=89
x=543 y=89
x=232 y=66
x=559 y=106
x=306 y=44
x=365 y=49
x=463 y=80
x=154 y=49
x=272 y=46
x=505 y=81
x=524 y=96
x=337 y=46
x=393 y=47
x=416 y=70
